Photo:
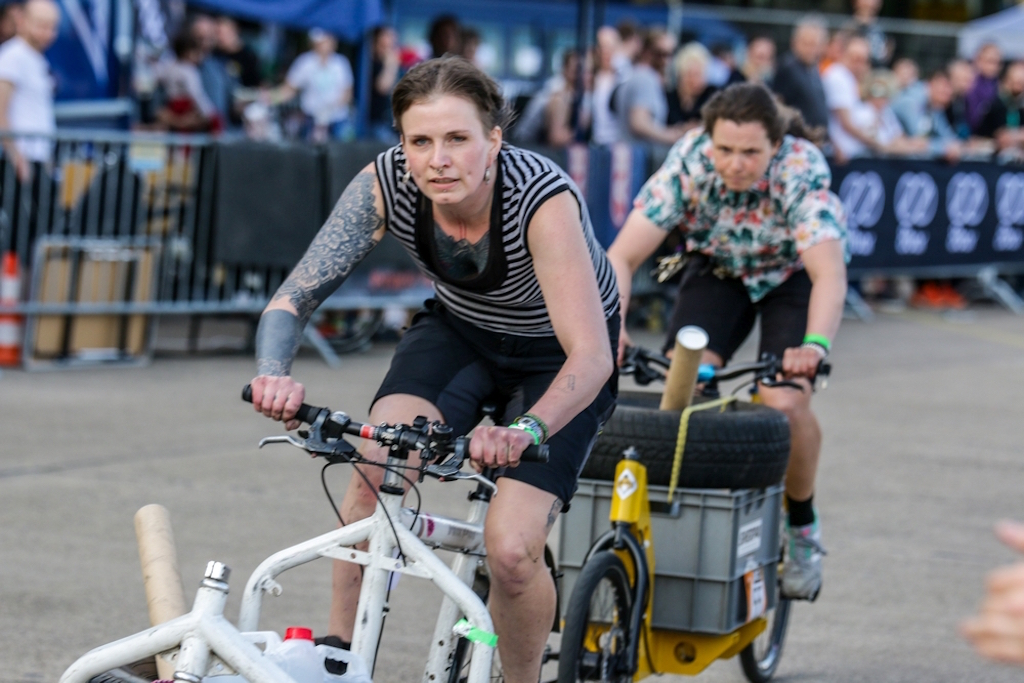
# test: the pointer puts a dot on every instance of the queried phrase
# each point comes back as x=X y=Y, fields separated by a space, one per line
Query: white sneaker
x=801 y=574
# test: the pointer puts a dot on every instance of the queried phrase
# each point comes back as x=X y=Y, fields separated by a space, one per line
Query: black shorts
x=458 y=366
x=723 y=308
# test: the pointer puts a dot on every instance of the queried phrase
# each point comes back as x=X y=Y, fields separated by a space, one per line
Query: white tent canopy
x=1005 y=29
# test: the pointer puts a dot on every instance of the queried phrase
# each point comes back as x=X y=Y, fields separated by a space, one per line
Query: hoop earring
x=405 y=178
x=487 y=175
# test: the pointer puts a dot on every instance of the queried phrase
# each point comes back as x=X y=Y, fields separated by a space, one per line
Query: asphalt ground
x=922 y=454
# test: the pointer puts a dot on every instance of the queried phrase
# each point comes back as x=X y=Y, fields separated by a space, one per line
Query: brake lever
x=285 y=438
x=444 y=473
x=451 y=469
x=824 y=370
x=773 y=383
x=338 y=451
x=641 y=375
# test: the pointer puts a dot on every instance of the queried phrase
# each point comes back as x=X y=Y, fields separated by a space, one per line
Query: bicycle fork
x=444 y=642
x=629 y=538
x=421 y=561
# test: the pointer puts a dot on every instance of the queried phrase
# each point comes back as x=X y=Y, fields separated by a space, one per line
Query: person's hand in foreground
x=997 y=631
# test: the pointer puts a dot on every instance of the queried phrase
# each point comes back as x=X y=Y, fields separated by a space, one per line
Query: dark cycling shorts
x=723 y=308
x=456 y=366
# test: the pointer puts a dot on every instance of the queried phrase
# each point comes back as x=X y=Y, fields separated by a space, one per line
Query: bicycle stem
x=194 y=656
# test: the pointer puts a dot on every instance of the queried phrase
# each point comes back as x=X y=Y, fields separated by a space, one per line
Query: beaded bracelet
x=530 y=423
x=540 y=423
x=819 y=339
x=822 y=351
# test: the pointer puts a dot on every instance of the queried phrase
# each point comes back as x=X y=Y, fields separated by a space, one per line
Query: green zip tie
x=473 y=634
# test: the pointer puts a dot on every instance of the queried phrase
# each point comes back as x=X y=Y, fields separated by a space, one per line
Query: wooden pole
x=682 y=372
x=164 y=595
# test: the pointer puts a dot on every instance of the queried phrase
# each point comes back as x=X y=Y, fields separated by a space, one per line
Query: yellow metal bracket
x=687 y=654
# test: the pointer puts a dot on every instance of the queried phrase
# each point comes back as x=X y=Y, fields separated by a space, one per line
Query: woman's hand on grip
x=278 y=398
x=498 y=446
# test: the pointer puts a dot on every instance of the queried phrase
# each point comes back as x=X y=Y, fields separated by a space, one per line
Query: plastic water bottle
x=303 y=661
x=298 y=657
x=355 y=667
x=264 y=640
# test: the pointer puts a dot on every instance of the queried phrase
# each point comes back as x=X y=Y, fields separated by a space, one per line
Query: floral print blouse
x=756 y=235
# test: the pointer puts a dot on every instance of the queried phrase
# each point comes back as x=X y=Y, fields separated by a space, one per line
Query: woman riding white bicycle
x=526 y=308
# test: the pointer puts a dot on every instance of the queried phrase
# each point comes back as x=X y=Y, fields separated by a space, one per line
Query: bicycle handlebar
x=412 y=438
x=638 y=362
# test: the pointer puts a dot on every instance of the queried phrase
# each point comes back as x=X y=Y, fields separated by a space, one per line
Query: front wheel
x=596 y=638
x=761 y=658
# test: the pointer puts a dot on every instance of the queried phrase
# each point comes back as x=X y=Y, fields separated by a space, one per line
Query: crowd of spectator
x=646 y=88
x=636 y=85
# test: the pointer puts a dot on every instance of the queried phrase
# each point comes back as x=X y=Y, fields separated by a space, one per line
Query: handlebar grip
x=535 y=454
x=306 y=413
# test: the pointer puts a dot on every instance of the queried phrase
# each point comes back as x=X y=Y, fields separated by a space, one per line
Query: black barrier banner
x=919 y=215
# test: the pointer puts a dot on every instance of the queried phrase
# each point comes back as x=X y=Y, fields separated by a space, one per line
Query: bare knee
x=361 y=496
x=796 y=405
x=514 y=560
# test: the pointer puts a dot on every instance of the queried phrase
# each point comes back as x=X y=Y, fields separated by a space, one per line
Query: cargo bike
x=687 y=571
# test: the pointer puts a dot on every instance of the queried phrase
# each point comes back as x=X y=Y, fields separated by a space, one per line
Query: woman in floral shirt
x=765 y=235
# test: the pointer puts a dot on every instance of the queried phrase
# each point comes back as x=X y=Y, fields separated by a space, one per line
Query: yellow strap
x=684 y=422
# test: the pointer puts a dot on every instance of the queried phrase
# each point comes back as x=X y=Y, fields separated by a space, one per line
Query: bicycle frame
x=204 y=631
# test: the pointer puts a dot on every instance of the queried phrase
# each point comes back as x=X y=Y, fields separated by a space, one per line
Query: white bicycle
x=401 y=540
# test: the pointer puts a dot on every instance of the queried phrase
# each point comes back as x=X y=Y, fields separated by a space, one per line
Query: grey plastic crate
x=704 y=543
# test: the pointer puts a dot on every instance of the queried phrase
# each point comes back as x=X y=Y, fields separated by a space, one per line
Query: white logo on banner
x=620 y=196
x=915 y=202
x=1010 y=210
x=966 y=205
x=92 y=26
x=863 y=196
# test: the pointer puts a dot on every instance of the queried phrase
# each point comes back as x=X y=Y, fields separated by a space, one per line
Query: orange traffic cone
x=10 y=324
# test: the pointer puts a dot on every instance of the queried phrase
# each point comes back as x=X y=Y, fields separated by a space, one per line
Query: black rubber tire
x=746 y=446
x=357 y=332
x=575 y=662
x=761 y=658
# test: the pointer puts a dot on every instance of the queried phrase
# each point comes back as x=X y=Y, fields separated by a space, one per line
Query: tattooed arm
x=565 y=272
x=354 y=227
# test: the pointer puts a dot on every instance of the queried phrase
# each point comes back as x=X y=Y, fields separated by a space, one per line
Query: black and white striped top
x=505 y=297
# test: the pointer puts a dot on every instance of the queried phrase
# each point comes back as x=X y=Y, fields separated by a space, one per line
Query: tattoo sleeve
x=343 y=241
x=277 y=341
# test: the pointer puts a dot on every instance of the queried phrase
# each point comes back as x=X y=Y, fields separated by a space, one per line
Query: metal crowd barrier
x=119 y=228
x=114 y=228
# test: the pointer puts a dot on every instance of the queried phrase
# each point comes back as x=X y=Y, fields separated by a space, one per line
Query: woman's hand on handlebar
x=801 y=361
x=497 y=446
x=278 y=398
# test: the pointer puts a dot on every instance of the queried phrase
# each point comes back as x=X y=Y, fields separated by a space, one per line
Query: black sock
x=801 y=512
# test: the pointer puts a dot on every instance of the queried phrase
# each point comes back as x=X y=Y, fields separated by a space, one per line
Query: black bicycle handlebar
x=414 y=438
x=638 y=361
